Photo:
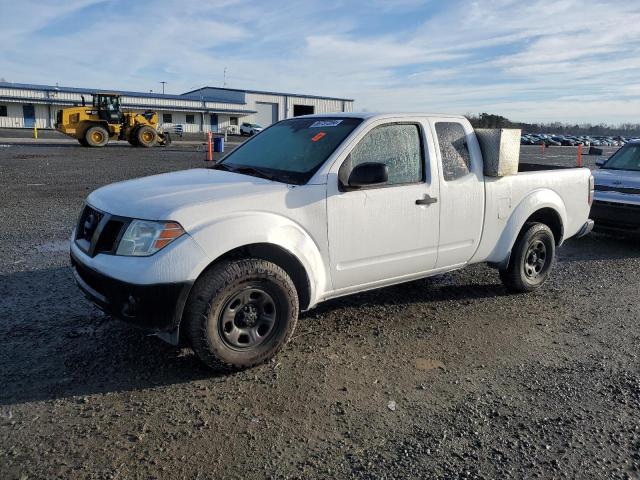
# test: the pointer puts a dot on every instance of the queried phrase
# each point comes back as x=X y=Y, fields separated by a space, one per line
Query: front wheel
x=531 y=259
x=241 y=313
x=146 y=136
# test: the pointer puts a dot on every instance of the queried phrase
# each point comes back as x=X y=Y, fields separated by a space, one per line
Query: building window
x=397 y=146
x=191 y=119
x=3 y=110
x=233 y=120
x=303 y=110
x=167 y=118
x=456 y=161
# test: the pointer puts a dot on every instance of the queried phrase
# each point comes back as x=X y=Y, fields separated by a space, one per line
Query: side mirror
x=600 y=162
x=369 y=173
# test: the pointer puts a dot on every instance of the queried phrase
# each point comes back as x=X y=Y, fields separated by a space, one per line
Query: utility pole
x=163 y=84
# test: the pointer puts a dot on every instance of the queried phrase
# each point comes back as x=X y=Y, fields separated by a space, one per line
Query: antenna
x=163 y=84
x=224 y=81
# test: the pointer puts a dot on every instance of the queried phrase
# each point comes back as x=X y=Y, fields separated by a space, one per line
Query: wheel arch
x=551 y=218
x=542 y=206
x=270 y=235
x=277 y=255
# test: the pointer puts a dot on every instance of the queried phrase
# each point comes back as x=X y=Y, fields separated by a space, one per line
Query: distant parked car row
x=572 y=140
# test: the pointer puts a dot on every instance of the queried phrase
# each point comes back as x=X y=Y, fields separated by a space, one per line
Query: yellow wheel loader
x=94 y=125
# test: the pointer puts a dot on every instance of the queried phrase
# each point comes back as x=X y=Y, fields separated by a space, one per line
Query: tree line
x=489 y=120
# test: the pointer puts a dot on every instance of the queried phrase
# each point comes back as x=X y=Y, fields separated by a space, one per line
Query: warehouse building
x=205 y=109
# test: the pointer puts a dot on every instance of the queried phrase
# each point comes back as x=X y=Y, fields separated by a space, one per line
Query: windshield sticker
x=318 y=136
x=325 y=123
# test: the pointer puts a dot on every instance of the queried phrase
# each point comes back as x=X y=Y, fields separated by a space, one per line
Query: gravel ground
x=450 y=377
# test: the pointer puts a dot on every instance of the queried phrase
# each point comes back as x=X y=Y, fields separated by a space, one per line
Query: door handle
x=427 y=200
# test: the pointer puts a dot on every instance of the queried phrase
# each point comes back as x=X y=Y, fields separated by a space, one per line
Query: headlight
x=144 y=237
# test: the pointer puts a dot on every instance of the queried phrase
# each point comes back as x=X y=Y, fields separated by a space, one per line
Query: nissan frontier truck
x=309 y=209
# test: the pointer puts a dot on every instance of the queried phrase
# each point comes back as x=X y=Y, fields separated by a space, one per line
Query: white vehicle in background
x=250 y=128
x=315 y=207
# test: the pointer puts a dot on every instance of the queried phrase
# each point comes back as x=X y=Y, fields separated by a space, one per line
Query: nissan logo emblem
x=90 y=224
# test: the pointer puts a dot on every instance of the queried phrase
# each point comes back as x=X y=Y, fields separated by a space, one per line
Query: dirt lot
x=443 y=378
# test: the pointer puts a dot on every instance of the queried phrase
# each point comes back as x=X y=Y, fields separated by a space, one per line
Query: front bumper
x=157 y=307
x=624 y=217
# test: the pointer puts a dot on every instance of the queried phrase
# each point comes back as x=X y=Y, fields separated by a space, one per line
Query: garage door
x=267 y=113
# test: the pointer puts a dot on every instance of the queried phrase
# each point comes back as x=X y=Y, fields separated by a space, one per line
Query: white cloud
x=573 y=60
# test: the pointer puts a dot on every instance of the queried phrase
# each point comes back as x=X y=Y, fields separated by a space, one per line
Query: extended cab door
x=384 y=232
x=462 y=199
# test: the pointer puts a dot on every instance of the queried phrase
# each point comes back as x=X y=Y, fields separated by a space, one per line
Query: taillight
x=591 y=189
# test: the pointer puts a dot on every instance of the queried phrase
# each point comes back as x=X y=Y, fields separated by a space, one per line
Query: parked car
x=250 y=128
x=314 y=208
x=616 y=205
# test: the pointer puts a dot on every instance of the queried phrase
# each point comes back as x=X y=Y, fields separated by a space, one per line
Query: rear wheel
x=146 y=136
x=96 y=136
x=531 y=259
x=241 y=313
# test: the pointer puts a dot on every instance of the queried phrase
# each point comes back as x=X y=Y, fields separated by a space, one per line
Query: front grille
x=99 y=232
x=619 y=189
x=88 y=223
x=109 y=237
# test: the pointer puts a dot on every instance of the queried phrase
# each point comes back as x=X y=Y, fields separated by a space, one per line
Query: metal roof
x=89 y=91
x=261 y=92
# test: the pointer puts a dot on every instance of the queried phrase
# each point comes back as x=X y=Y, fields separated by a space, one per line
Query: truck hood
x=162 y=197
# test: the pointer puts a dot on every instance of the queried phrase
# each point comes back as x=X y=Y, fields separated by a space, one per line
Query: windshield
x=290 y=151
x=627 y=158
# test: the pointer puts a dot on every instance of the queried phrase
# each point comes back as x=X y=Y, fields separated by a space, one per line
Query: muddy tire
x=531 y=259
x=146 y=136
x=241 y=313
x=96 y=137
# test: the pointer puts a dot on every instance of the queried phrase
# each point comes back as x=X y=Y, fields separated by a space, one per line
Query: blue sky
x=538 y=60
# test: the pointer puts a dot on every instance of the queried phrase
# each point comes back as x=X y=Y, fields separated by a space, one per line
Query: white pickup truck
x=313 y=208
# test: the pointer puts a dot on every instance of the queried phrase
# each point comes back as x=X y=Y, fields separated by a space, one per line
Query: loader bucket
x=164 y=139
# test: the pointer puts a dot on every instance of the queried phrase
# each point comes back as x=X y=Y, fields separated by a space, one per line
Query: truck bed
x=536 y=167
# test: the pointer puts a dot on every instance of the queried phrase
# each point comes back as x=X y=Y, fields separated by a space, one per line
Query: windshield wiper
x=220 y=166
x=257 y=172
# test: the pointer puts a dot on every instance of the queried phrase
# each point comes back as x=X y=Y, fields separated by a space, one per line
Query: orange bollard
x=209 y=147
x=579 y=161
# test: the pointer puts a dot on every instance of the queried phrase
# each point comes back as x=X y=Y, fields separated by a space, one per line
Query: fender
x=245 y=228
x=530 y=204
